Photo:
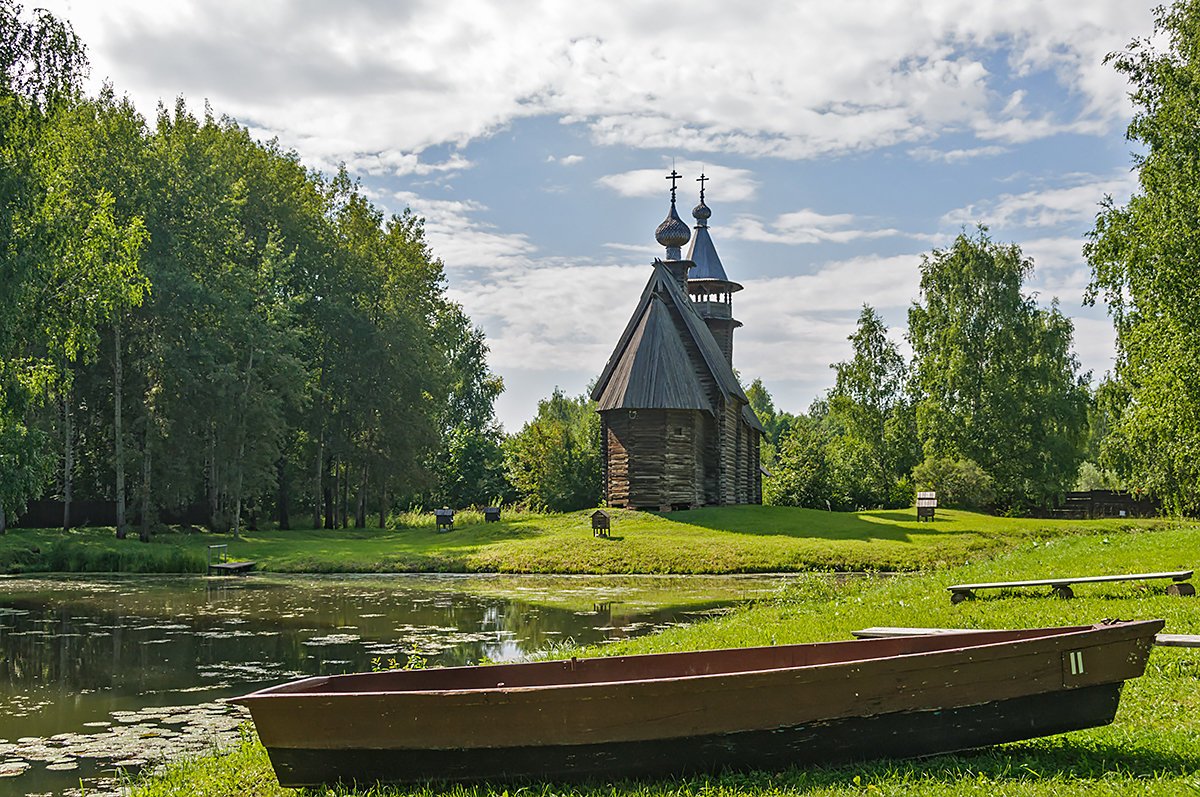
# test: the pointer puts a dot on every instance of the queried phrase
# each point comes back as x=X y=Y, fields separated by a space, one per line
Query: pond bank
x=1151 y=748
x=717 y=540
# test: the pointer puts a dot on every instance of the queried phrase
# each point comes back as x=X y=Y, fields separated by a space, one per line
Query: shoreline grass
x=1151 y=749
x=718 y=540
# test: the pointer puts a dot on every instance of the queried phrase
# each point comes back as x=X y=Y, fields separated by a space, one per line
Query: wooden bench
x=218 y=562
x=1062 y=586
x=878 y=632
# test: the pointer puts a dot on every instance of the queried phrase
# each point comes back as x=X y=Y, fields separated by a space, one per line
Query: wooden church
x=677 y=430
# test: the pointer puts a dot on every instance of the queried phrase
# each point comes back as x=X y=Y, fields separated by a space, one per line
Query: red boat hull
x=761 y=708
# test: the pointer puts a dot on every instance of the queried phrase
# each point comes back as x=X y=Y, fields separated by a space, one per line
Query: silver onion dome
x=672 y=233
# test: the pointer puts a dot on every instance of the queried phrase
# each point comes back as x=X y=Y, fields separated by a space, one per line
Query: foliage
x=65 y=264
x=995 y=375
x=554 y=461
x=803 y=475
x=214 y=323
x=1092 y=477
x=876 y=444
x=776 y=423
x=1144 y=259
x=958 y=483
x=468 y=465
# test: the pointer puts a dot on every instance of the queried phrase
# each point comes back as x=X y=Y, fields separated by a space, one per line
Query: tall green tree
x=803 y=474
x=468 y=464
x=997 y=380
x=554 y=461
x=1145 y=260
x=876 y=446
x=66 y=263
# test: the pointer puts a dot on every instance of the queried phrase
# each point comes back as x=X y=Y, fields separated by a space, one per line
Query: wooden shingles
x=633 y=376
x=654 y=371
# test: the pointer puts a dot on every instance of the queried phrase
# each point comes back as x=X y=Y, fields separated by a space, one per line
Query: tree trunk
x=118 y=441
x=318 y=487
x=241 y=463
x=68 y=459
x=2 y=528
x=319 y=471
x=345 y=502
x=144 y=530
x=214 y=498
x=281 y=498
x=382 y=508
x=360 y=517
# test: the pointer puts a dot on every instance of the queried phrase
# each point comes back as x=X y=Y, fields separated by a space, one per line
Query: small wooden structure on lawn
x=600 y=523
x=1093 y=504
x=218 y=562
x=491 y=514
x=1062 y=586
x=444 y=519
x=926 y=505
x=676 y=428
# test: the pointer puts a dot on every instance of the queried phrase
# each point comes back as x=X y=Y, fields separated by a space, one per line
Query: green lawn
x=1152 y=748
x=742 y=539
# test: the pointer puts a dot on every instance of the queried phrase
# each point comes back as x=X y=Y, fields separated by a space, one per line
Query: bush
x=959 y=484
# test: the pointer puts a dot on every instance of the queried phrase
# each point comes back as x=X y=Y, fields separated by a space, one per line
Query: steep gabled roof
x=654 y=371
x=650 y=366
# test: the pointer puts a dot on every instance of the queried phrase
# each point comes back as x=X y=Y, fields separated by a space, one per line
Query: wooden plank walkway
x=237 y=568
x=879 y=632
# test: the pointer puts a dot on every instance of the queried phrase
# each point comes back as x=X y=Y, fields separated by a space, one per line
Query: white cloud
x=1050 y=207
x=807 y=227
x=724 y=184
x=793 y=79
x=565 y=160
x=956 y=155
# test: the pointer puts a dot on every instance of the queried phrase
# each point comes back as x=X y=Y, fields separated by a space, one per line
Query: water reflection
x=74 y=650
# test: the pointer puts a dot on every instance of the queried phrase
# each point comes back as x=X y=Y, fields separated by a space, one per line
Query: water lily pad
x=12 y=768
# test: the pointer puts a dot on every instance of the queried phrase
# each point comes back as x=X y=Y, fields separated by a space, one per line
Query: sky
x=843 y=141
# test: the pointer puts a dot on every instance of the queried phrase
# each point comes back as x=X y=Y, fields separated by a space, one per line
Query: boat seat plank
x=1062 y=586
x=886 y=632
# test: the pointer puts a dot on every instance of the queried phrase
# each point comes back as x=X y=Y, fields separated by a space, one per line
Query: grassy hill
x=737 y=539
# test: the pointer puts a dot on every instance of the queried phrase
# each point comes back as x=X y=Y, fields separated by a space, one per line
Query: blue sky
x=843 y=141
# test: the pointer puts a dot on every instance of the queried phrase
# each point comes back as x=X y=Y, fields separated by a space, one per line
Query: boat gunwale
x=295 y=689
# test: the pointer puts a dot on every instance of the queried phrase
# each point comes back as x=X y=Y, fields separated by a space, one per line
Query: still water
x=107 y=674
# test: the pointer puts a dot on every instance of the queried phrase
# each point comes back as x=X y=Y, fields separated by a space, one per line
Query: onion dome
x=672 y=233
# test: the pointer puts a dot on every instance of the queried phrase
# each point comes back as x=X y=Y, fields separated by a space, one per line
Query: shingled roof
x=650 y=368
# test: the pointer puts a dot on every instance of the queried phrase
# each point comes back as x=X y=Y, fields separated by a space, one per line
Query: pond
x=103 y=675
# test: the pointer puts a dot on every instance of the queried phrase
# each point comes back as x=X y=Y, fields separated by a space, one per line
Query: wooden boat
x=763 y=708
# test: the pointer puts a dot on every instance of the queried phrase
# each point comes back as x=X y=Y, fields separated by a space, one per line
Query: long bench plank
x=877 y=632
x=1175 y=575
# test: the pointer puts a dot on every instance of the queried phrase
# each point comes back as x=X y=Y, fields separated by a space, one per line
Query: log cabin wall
x=651 y=458
x=722 y=332
x=731 y=420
